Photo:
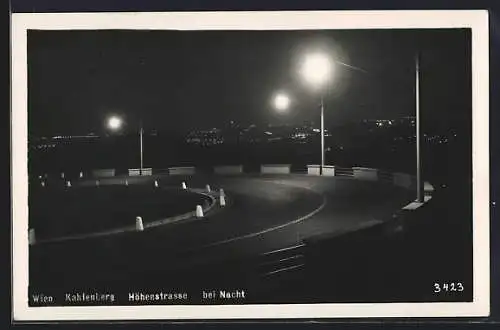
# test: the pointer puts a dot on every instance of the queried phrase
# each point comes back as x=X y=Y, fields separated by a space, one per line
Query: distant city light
x=114 y=123
x=281 y=102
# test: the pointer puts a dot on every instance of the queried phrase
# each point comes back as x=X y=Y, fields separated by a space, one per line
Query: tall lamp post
x=115 y=123
x=317 y=71
x=418 y=135
x=141 y=144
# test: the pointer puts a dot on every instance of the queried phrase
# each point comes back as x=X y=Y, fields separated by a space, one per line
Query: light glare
x=281 y=102
x=316 y=69
x=114 y=123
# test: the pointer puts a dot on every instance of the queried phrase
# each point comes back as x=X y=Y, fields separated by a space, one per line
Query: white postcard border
x=477 y=20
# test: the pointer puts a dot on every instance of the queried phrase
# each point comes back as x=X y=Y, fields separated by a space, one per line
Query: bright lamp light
x=281 y=102
x=317 y=69
x=114 y=123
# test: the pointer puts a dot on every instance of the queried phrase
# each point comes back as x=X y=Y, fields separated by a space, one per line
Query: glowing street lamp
x=317 y=72
x=115 y=123
x=281 y=102
x=317 y=69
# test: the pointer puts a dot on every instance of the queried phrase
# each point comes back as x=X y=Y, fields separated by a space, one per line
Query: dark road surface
x=88 y=209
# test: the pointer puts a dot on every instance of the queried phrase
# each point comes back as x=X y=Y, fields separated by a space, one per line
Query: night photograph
x=227 y=167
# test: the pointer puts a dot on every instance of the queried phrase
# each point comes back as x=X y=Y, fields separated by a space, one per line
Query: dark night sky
x=178 y=80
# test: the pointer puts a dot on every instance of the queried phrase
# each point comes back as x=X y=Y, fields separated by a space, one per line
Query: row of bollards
x=139 y=224
x=156 y=185
x=80 y=175
x=68 y=183
x=138 y=221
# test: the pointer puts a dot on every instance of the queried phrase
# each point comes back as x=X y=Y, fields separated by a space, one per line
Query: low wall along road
x=107 y=177
x=187 y=170
x=138 y=172
x=229 y=169
x=275 y=169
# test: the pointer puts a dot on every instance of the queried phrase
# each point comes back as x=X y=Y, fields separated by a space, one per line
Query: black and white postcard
x=250 y=165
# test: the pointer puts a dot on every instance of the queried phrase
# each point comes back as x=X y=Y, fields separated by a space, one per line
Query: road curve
x=266 y=212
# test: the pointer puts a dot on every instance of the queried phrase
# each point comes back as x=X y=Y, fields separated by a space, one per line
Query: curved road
x=265 y=212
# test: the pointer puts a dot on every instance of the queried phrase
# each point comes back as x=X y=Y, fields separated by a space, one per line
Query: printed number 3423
x=448 y=287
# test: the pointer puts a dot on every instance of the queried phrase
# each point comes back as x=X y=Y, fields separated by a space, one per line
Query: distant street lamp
x=317 y=71
x=115 y=123
x=281 y=102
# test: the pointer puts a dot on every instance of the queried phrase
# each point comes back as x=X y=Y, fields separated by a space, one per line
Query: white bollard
x=126 y=182
x=43 y=183
x=139 y=226
x=221 y=191
x=199 y=211
x=208 y=188
x=31 y=236
x=81 y=174
x=184 y=185
x=68 y=184
x=97 y=183
x=62 y=175
x=222 y=201
x=156 y=184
